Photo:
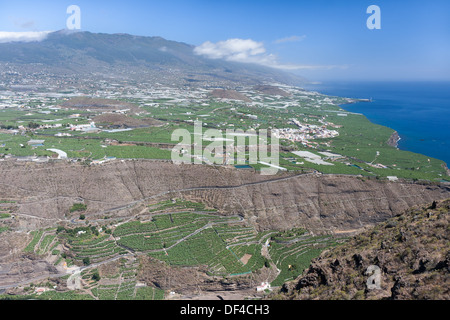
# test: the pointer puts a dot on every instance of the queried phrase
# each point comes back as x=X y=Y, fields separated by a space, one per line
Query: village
x=305 y=132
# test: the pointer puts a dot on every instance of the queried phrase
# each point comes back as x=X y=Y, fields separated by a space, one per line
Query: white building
x=263 y=286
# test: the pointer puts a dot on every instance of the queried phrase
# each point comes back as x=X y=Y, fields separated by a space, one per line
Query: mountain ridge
x=137 y=57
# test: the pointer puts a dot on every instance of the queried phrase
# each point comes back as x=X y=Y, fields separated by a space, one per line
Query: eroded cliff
x=320 y=203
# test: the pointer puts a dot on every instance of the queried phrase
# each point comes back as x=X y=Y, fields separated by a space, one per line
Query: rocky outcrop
x=406 y=257
x=393 y=139
x=23 y=270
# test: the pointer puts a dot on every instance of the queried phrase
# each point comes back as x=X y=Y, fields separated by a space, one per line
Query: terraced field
x=98 y=249
x=123 y=284
x=178 y=233
x=293 y=254
x=43 y=242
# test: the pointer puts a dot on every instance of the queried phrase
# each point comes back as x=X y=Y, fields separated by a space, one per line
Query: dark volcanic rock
x=413 y=268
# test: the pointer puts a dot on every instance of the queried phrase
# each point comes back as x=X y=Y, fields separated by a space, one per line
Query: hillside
x=410 y=249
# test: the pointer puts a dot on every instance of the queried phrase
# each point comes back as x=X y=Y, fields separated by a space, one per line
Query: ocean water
x=418 y=111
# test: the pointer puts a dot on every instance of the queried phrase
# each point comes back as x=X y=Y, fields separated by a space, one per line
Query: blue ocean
x=418 y=111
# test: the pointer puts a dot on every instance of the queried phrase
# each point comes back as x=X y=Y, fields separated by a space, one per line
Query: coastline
x=393 y=139
x=446 y=168
x=402 y=106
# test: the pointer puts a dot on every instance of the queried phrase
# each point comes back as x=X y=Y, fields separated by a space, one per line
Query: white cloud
x=250 y=51
x=231 y=49
x=28 y=36
x=290 y=39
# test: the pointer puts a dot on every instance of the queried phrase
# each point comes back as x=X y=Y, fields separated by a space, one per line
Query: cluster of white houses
x=304 y=132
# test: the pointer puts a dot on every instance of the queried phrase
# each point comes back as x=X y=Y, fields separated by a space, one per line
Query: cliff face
x=410 y=252
x=326 y=203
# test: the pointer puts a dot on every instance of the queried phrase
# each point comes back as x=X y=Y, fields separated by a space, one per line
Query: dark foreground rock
x=409 y=252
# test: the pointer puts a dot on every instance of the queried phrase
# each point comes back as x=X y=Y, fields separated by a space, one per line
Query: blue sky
x=322 y=40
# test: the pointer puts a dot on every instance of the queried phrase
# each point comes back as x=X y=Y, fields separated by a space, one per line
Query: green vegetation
x=88 y=245
x=256 y=260
x=293 y=250
x=96 y=276
x=188 y=239
x=225 y=245
x=36 y=237
x=178 y=204
x=7 y=201
x=45 y=243
x=55 y=295
x=149 y=293
x=78 y=207
x=361 y=144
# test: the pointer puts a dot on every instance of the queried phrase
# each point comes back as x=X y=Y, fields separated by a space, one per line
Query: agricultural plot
x=225 y=246
x=237 y=234
x=178 y=204
x=250 y=256
x=55 y=295
x=3 y=229
x=164 y=231
x=123 y=285
x=105 y=292
x=205 y=248
x=87 y=245
x=37 y=234
x=149 y=293
x=45 y=244
x=293 y=254
x=188 y=238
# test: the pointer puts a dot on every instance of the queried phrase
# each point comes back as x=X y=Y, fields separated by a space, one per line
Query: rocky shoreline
x=394 y=139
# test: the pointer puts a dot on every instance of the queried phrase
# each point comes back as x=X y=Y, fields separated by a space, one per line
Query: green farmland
x=177 y=233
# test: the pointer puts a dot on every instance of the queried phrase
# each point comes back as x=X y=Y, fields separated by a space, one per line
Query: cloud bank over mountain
x=27 y=36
